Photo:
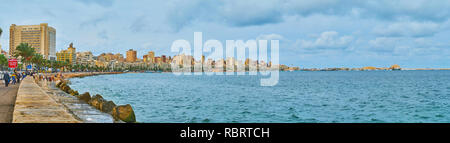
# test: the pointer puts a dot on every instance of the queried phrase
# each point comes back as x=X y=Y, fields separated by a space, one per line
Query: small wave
x=206 y=120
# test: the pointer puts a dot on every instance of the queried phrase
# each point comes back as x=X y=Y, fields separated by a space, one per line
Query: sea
x=299 y=97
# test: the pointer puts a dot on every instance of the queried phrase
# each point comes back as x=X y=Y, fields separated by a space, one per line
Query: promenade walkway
x=33 y=105
x=7 y=101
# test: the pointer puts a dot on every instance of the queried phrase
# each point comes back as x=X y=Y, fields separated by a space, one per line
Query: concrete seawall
x=33 y=105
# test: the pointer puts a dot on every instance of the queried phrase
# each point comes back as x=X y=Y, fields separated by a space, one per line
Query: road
x=7 y=101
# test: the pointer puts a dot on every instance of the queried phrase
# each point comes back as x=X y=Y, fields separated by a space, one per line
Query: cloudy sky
x=312 y=34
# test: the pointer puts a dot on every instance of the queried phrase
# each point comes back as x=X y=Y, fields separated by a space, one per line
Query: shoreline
x=121 y=113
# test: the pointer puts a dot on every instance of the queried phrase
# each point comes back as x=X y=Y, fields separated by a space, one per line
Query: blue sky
x=312 y=34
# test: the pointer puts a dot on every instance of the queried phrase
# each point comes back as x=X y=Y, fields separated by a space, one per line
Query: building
x=69 y=55
x=84 y=58
x=119 y=57
x=163 y=59
x=41 y=37
x=150 y=57
x=131 y=56
x=145 y=59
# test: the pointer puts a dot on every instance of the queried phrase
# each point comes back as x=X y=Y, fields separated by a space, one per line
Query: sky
x=312 y=34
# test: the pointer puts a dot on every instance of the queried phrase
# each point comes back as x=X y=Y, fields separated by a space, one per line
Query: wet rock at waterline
x=107 y=106
x=124 y=113
x=97 y=101
x=84 y=97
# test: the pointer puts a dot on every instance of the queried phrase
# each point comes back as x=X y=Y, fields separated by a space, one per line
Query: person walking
x=6 y=78
x=24 y=75
x=13 y=76
x=18 y=77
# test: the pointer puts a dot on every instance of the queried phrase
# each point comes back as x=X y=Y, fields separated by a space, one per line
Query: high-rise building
x=69 y=55
x=131 y=56
x=41 y=37
x=151 y=56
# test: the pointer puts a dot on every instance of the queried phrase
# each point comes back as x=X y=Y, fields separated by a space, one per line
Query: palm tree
x=38 y=60
x=25 y=51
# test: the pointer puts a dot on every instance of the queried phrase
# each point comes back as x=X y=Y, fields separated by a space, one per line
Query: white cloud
x=410 y=29
x=272 y=36
x=327 y=40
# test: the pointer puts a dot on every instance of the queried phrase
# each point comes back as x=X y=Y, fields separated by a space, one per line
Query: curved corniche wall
x=124 y=113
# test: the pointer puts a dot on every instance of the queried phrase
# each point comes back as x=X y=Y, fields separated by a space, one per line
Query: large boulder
x=107 y=106
x=84 y=97
x=97 y=101
x=124 y=113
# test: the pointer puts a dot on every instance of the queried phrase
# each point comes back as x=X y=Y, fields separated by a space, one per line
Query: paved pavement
x=34 y=105
x=7 y=101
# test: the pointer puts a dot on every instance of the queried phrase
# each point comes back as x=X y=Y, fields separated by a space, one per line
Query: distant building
x=108 y=57
x=150 y=57
x=145 y=58
x=67 y=55
x=163 y=59
x=41 y=37
x=131 y=56
x=84 y=58
x=119 y=57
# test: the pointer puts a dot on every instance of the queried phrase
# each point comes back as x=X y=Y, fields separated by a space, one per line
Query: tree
x=3 y=61
x=1 y=31
x=38 y=60
x=25 y=51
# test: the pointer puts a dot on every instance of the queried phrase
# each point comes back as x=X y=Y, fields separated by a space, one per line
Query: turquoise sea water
x=340 y=96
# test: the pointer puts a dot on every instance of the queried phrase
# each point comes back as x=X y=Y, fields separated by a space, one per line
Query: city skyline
x=315 y=34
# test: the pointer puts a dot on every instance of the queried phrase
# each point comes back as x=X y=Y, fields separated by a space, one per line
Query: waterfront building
x=40 y=37
x=145 y=58
x=131 y=56
x=150 y=56
x=163 y=59
x=67 y=55
x=84 y=58
x=157 y=60
x=108 y=57
x=183 y=59
x=119 y=57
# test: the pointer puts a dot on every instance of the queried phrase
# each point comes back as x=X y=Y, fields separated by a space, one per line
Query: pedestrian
x=13 y=76
x=18 y=77
x=6 y=78
x=24 y=75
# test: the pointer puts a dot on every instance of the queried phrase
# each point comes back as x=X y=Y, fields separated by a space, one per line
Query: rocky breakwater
x=123 y=113
x=85 y=74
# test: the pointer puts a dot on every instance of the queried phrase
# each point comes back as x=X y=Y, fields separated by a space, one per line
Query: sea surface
x=299 y=97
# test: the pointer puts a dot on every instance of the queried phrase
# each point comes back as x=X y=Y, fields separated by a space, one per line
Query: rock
x=395 y=67
x=73 y=92
x=107 y=106
x=124 y=113
x=97 y=101
x=84 y=97
x=58 y=83
x=65 y=88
